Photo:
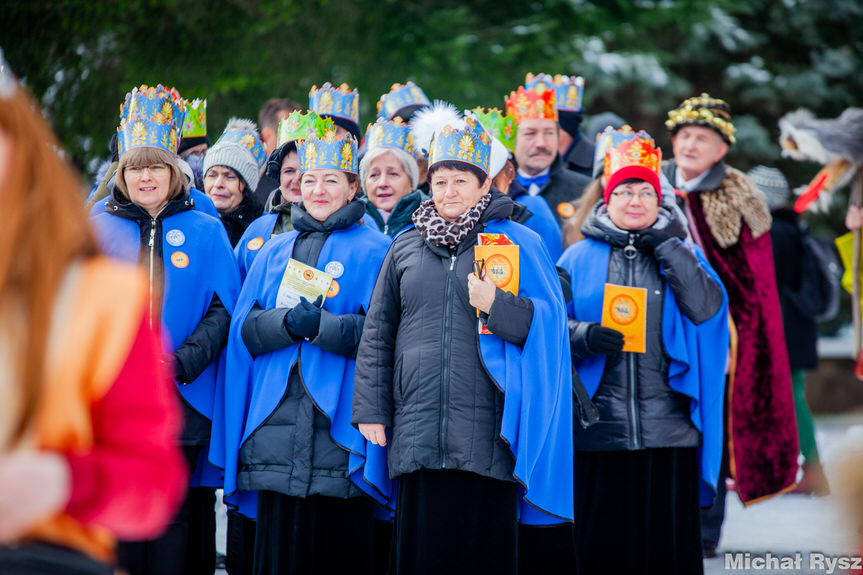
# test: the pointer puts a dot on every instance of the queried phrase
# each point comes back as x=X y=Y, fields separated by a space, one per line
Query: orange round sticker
x=499 y=268
x=334 y=289
x=623 y=309
x=308 y=275
x=179 y=259
x=255 y=243
x=565 y=209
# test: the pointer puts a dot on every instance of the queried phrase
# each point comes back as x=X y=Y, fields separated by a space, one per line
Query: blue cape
x=537 y=384
x=258 y=385
x=187 y=293
x=201 y=203
x=543 y=223
x=262 y=228
x=697 y=352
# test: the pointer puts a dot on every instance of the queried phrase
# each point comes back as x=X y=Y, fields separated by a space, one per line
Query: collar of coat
x=729 y=199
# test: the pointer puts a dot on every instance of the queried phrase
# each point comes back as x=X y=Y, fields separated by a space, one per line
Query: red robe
x=761 y=425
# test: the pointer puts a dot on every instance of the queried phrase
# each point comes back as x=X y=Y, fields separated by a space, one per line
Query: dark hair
x=480 y=175
x=268 y=117
x=352 y=177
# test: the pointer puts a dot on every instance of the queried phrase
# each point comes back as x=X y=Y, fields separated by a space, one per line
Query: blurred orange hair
x=44 y=229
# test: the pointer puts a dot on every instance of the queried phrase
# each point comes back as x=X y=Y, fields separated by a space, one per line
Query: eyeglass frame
x=138 y=171
x=628 y=196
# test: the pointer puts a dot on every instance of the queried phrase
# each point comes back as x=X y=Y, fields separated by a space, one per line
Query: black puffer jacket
x=637 y=407
x=292 y=452
x=418 y=369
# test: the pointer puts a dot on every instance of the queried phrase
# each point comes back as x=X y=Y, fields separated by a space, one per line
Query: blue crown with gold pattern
x=247 y=138
x=471 y=145
x=329 y=153
x=151 y=117
x=401 y=96
x=610 y=139
x=390 y=134
x=341 y=102
x=569 y=93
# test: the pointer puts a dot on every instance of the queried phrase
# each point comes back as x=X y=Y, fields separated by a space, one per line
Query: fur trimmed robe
x=730 y=219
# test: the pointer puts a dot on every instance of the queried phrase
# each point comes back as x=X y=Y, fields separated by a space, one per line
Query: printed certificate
x=302 y=280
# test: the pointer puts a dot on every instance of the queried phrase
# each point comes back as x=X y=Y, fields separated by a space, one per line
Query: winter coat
x=292 y=452
x=200 y=350
x=434 y=392
x=237 y=221
x=579 y=156
x=801 y=332
x=637 y=407
x=563 y=186
x=399 y=217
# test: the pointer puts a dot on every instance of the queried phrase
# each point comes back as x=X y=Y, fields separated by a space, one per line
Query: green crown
x=196 y=119
x=299 y=126
x=502 y=127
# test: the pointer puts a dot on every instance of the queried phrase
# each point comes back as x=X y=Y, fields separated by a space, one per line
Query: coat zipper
x=152 y=246
x=629 y=253
x=447 y=340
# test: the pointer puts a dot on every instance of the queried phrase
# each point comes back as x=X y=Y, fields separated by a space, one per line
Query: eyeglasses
x=627 y=196
x=154 y=169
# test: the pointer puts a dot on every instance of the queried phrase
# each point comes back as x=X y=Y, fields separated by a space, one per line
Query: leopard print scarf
x=441 y=232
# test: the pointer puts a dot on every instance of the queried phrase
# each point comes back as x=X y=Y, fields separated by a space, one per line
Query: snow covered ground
x=794 y=526
x=809 y=533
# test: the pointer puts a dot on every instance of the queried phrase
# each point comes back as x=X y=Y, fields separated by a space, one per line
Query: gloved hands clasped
x=303 y=321
x=648 y=239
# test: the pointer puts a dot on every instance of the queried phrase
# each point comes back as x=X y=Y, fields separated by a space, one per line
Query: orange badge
x=334 y=289
x=308 y=275
x=565 y=209
x=255 y=243
x=179 y=259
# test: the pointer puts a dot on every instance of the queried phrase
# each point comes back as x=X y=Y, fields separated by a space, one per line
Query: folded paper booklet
x=625 y=309
x=497 y=256
x=302 y=280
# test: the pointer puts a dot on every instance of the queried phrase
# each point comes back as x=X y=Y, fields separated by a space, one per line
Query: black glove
x=649 y=238
x=172 y=367
x=304 y=319
x=604 y=340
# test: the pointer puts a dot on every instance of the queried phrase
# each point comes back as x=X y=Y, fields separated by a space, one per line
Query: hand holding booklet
x=497 y=257
x=303 y=280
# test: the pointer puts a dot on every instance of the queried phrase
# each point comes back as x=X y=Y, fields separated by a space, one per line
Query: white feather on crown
x=431 y=120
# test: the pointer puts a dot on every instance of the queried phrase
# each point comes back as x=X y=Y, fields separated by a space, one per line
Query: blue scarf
x=258 y=384
x=698 y=352
x=536 y=380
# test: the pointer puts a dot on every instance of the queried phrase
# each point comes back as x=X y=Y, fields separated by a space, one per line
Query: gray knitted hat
x=231 y=152
x=772 y=184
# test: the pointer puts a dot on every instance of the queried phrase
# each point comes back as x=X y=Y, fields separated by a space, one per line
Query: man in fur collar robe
x=728 y=217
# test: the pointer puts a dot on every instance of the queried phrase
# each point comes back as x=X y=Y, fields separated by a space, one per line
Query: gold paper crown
x=533 y=101
x=703 y=111
x=631 y=155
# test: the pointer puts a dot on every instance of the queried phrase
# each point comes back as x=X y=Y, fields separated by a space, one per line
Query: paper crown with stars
x=400 y=97
x=195 y=125
x=629 y=155
x=244 y=133
x=569 y=93
x=300 y=126
x=341 y=102
x=502 y=127
x=703 y=111
x=329 y=153
x=533 y=101
x=470 y=145
x=151 y=117
x=390 y=134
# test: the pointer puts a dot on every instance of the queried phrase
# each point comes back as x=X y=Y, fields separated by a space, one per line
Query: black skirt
x=638 y=512
x=316 y=534
x=450 y=522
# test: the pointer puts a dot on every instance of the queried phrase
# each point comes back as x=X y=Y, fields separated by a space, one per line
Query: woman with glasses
x=649 y=338
x=193 y=285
